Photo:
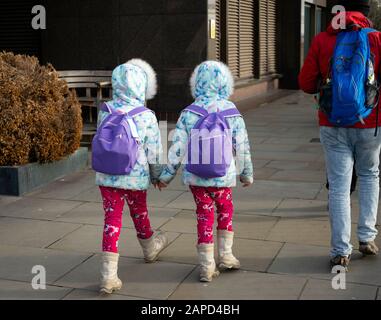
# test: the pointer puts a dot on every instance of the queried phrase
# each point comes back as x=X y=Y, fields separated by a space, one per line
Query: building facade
x=264 y=42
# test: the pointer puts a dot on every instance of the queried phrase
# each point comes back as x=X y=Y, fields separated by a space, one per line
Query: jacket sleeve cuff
x=167 y=176
x=247 y=179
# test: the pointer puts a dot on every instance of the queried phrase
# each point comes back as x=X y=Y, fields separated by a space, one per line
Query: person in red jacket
x=344 y=145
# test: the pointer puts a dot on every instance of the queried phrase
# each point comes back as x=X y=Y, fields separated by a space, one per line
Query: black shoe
x=368 y=248
x=342 y=261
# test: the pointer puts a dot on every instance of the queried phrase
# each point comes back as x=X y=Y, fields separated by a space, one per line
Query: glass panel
x=307 y=28
x=319 y=20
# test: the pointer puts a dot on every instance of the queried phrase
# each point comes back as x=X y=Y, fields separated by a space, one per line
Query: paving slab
x=5 y=200
x=240 y=285
x=78 y=294
x=90 y=195
x=264 y=173
x=295 y=165
x=313 y=261
x=177 y=184
x=15 y=290
x=322 y=290
x=288 y=156
x=245 y=226
x=297 y=175
x=278 y=147
x=305 y=231
x=256 y=255
x=182 y=250
x=302 y=260
x=33 y=233
x=158 y=198
x=281 y=189
x=152 y=281
x=84 y=177
x=155 y=198
x=302 y=231
x=259 y=164
x=310 y=148
x=302 y=208
x=244 y=200
x=89 y=239
x=93 y=214
x=288 y=140
x=61 y=190
x=17 y=262
x=41 y=209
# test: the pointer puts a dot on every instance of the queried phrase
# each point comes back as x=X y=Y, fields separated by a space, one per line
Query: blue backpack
x=351 y=91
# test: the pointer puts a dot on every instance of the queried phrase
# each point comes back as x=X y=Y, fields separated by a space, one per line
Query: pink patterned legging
x=205 y=199
x=113 y=204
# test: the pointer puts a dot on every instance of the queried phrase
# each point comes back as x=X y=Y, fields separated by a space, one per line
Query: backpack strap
x=133 y=113
x=138 y=111
x=105 y=107
x=197 y=110
x=368 y=30
x=231 y=113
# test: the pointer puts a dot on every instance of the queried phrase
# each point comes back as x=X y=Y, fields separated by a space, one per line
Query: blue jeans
x=342 y=146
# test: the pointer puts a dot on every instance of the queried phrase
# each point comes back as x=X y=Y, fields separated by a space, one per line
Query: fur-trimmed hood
x=211 y=81
x=133 y=83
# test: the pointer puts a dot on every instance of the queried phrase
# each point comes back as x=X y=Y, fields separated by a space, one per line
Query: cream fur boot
x=208 y=268
x=109 y=273
x=153 y=246
x=226 y=259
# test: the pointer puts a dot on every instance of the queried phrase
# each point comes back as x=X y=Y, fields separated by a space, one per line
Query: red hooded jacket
x=316 y=65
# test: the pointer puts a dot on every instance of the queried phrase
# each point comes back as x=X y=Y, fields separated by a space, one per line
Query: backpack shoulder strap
x=230 y=113
x=138 y=111
x=368 y=30
x=197 y=110
x=105 y=107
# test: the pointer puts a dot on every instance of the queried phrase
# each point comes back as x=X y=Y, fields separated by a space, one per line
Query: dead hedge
x=40 y=118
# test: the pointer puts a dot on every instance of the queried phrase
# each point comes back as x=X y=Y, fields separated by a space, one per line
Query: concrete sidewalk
x=281 y=224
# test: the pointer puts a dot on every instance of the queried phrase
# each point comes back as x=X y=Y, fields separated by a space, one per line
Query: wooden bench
x=92 y=87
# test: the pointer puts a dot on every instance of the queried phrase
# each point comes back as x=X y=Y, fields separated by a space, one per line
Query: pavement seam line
x=275 y=257
x=181 y=282
x=70 y=291
x=303 y=288
x=72 y=269
x=171 y=201
x=64 y=236
x=378 y=291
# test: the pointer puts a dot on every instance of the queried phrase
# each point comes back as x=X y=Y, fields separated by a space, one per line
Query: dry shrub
x=40 y=118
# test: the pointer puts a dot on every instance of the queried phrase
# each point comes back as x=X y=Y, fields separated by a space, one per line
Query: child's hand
x=161 y=185
x=245 y=182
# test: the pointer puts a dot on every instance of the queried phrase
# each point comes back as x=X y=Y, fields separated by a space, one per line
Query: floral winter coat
x=129 y=85
x=212 y=84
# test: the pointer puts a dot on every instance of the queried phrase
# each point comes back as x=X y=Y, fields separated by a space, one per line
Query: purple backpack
x=210 y=147
x=115 y=145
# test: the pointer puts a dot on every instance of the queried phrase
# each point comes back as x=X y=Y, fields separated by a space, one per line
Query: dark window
x=16 y=32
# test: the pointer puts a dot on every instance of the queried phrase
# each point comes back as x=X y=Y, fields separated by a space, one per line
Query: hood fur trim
x=151 y=76
x=225 y=69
